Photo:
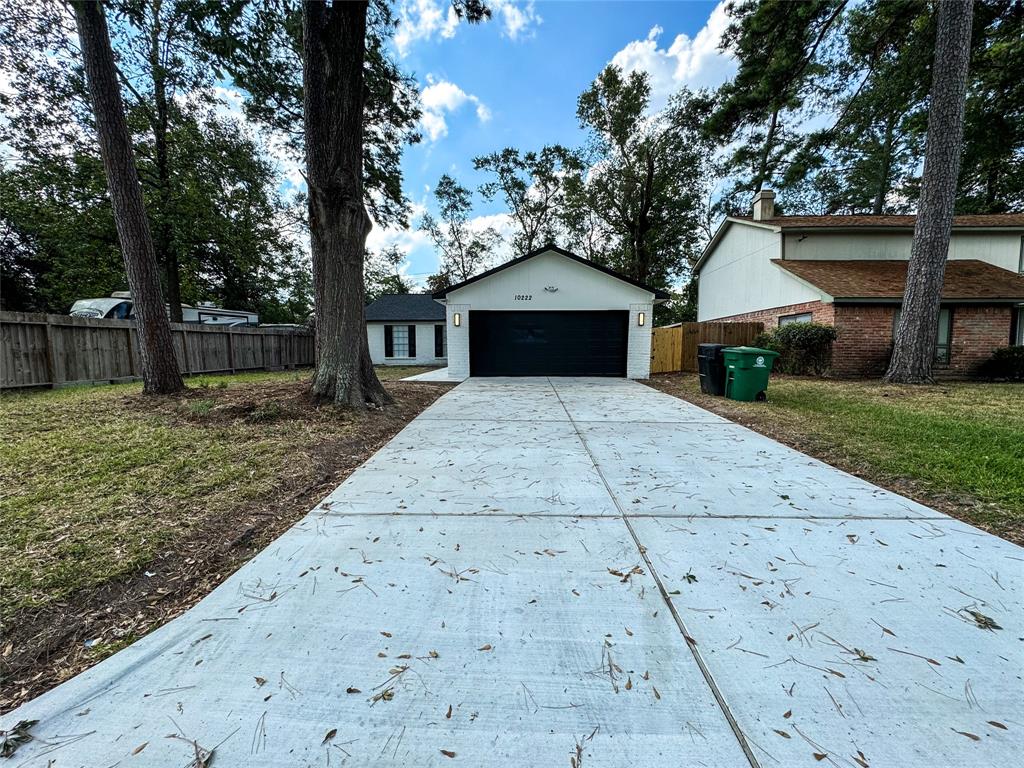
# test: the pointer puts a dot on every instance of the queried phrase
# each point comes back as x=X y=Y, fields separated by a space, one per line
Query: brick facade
x=864 y=341
x=820 y=311
x=638 y=349
x=977 y=330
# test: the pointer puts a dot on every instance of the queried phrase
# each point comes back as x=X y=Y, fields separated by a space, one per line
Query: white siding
x=580 y=287
x=424 y=345
x=1002 y=249
x=739 y=276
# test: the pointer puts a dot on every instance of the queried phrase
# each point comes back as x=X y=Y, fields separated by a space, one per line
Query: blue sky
x=514 y=81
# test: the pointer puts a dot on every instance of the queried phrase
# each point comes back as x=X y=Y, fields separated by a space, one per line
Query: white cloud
x=427 y=19
x=421 y=20
x=442 y=97
x=696 y=62
x=422 y=259
x=515 y=19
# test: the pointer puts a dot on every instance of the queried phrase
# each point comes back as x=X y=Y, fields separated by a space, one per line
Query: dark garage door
x=547 y=343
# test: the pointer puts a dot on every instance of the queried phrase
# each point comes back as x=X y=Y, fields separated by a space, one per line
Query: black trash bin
x=711 y=368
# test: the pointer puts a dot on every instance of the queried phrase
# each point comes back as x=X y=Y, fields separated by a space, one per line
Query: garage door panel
x=548 y=343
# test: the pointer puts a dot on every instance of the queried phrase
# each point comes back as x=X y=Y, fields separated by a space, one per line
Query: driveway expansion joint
x=688 y=639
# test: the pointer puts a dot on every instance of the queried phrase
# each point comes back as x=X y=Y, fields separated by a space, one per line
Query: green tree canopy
x=634 y=199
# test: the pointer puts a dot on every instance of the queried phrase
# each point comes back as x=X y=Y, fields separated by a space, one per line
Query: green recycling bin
x=746 y=372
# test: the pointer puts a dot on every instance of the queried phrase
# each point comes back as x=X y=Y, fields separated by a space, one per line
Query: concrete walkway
x=536 y=570
x=440 y=375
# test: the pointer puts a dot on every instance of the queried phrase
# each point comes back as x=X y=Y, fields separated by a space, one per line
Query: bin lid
x=751 y=351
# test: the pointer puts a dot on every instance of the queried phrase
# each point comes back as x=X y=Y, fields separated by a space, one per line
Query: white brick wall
x=638 y=354
x=458 y=341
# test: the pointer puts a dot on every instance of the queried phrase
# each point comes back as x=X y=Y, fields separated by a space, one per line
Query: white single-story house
x=406 y=329
x=549 y=313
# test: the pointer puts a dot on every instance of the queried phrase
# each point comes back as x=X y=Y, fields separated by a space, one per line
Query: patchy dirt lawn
x=957 y=446
x=119 y=511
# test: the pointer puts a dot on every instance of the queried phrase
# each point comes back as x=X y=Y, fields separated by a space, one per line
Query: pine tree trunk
x=769 y=140
x=334 y=40
x=159 y=366
x=914 y=345
x=164 y=244
x=878 y=207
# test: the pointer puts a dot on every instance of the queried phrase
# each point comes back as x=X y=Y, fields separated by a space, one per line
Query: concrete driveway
x=537 y=571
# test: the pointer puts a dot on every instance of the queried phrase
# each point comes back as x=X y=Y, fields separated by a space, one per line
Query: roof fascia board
x=658 y=296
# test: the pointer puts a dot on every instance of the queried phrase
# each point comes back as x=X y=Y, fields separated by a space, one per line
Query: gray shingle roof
x=405 y=307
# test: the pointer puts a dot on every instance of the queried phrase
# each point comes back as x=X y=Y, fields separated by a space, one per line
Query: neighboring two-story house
x=850 y=272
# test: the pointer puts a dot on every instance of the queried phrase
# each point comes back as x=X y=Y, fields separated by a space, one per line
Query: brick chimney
x=764 y=205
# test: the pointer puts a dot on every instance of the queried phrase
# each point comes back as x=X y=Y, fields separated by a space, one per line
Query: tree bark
x=164 y=244
x=159 y=366
x=334 y=41
x=914 y=345
x=769 y=139
x=878 y=207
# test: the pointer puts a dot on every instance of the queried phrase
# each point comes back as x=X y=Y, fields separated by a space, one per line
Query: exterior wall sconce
x=640 y=319
x=457 y=319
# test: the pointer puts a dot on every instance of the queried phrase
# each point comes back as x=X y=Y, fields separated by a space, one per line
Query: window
x=803 y=317
x=122 y=311
x=942 y=343
x=399 y=341
x=1019 y=339
x=440 y=341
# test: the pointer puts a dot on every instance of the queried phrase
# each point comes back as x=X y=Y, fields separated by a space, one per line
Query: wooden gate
x=674 y=347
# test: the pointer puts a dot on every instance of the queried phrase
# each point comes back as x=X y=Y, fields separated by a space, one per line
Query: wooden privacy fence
x=52 y=350
x=674 y=347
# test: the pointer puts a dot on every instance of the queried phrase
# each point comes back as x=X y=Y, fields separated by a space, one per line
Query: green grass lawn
x=98 y=480
x=958 y=445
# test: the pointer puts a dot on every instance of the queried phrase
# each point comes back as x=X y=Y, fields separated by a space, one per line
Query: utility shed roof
x=966 y=279
x=404 y=307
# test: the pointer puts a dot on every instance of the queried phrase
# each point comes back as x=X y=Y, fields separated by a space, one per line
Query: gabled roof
x=658 y=293
x=858 y=223
x=987 y=221
x=404 y=307
x=876 y=280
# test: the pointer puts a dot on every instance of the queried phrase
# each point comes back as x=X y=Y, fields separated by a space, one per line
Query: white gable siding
x=424 y=345
x=739 y=276
x=579 y=287
x=999 y=248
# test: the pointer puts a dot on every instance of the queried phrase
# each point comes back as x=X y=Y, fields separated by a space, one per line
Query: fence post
x=187 y=365
x=51 y=367
x=131 y=352
x=231 y=349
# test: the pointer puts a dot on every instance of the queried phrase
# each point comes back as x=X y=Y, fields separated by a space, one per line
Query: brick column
x=638 y=351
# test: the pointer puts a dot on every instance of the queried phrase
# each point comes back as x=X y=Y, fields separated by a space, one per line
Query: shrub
x=1005 y=363
x=804 y=348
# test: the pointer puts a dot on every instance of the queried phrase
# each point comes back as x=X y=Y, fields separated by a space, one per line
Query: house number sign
x=524 y=297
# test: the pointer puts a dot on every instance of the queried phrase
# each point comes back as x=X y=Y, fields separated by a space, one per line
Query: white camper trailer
x=119 y=307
